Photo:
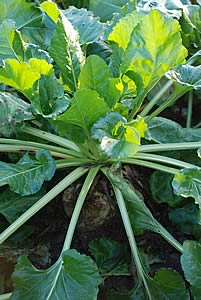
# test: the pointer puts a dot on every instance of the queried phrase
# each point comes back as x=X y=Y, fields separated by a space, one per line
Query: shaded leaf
x=163 y=130
x=11 y=45
x=95 y=75
x=161 y=189
x=48 y=98
x=89 y=27
x=28 y=175
x=187 y=183
x=28 y=19
x=100 y=49
x=106 y=9
x=191 y=264
x=12 y=113
x=117 y=139
x=111 y=258
x=74 y=276
x=12 y=205
x=66 y=52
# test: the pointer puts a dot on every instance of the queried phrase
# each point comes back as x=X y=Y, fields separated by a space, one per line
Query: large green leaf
x=28 y=18
x=117 y=139
x=89 y=27
x=162 y=130
x=187 y=183
x=12 y=205
x=111 y=257
x=191 y=264
x=48 y=98
x=188 y=77
x=66 y=52
x=106 y=9
x=96 y=75
x=12 y=113
x=161 y=189
x=73 y=277
x=11 y=45
x=151 y=42
x=122 y=31
x=23 y=75
x=86 y=108
x=28 y=175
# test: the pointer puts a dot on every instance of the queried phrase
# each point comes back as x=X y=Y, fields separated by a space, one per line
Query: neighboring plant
x=70 y=110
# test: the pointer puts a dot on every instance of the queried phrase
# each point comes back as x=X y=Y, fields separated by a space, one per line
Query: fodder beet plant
x=83 y=94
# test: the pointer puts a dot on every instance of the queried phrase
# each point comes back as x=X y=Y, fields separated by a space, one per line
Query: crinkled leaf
x=12 y=205
x=117 y=139
x=163 y=130
x=111 y=257
x=161 y=189
x=188 y=77
x=74 y=276
x=28 y=18
x=23 y=75
x=28 y=175
x=96 y=75
x=32 y=50
x=86 y=107
x=147 y=54
x=89 y=27
x=48 y=98
x=187 y=183
x=106 y=9
x=12 y=113
x=66 y=52
x=191 y=264
x=11 y=45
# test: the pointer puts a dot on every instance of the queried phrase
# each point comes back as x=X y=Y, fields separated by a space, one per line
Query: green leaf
x=33 y=29
x=89 y=27
x=162 y=130
x=12 y=113
x=161 y=189
x=186 y=218
x=187 y=183
x=11 y=45
x=74 y=276
x=111 y=258
x=121 y=32
x=51 y=10
x=96 y=75
x=48 y=98
x=106 y=9
x=86 y=107
x=12 y=205
x=117 y=139
x=155 y=36
x=140 y=216
x=100 y=49
x=23 y=75
x=66 y=52
x=199 y=152
x=28 y=175
x=188 y=77
x=191 y=264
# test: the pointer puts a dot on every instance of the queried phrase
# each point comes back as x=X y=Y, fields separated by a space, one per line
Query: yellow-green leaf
x=51 y=10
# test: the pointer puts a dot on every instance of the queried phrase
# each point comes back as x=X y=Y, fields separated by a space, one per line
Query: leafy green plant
x=81 y=112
